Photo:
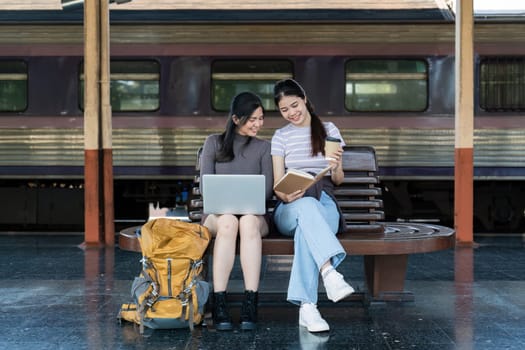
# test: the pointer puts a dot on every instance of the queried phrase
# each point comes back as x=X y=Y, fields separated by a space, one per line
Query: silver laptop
x=233 y=194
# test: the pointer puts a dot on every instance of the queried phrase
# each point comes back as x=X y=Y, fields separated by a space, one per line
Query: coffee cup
x=331 y=145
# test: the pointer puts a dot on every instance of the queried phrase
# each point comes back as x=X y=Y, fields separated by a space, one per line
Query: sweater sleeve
x=267 y=169
x=208 y=155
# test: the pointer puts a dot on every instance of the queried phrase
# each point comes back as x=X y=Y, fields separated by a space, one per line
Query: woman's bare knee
x=253 y=225
x=227 y=225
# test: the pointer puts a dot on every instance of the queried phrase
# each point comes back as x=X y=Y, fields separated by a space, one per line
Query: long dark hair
x=243 y=105
x=289 y=87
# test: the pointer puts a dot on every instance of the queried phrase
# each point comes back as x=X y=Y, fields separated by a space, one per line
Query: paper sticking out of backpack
x=177 y=213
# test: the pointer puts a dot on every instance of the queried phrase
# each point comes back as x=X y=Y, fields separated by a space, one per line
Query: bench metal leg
x=385 y=277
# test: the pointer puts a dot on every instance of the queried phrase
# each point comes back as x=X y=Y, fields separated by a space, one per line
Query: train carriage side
x=386 y=85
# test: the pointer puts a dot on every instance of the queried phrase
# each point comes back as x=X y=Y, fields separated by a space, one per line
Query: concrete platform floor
x=54 y=295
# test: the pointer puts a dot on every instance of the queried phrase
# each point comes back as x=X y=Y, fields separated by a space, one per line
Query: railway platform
x=56 y=295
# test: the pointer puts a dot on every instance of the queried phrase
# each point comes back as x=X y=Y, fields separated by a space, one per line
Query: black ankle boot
x=249 y=311
x=221 y=316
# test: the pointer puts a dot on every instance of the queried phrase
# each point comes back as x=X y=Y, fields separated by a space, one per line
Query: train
x=386 y=81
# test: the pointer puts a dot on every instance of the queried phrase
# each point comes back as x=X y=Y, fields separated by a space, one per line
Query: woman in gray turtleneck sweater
x=238 y=151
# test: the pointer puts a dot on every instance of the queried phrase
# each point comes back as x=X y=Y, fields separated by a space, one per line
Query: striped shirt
x=294 y=144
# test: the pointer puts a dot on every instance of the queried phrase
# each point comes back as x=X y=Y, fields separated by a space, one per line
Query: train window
x=134 y=86
x=234 y=76
x=379 y=85
x=13 y=86
x=502 y=84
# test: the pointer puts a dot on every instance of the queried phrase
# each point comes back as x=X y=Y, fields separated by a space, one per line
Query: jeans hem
x=334 y=258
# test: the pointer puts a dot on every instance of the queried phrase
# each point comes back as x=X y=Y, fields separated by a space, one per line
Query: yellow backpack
x=169 y=292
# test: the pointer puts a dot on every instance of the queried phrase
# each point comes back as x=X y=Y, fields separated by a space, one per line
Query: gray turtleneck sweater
x=251 y=158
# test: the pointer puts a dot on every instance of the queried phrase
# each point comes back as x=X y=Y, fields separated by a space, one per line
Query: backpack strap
x=190 y=319
x=186 y=296
x=150 y=298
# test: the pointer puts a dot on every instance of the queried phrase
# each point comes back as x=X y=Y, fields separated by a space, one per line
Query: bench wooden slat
x=366 y=228
x=196 y=203
x=360 y=180
x=374 y=216
x=368 y=192
x=373 y=203
x=359 y=158
x=195 y=215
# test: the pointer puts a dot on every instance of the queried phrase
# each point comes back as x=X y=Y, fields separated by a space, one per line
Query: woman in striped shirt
x=313 y=217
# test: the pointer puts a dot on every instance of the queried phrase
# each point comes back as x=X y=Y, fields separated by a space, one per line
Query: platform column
x=98 y=167
x=464 y=122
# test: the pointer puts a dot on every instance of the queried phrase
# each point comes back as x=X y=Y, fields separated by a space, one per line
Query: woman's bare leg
x=224 y=228
x=251 y=228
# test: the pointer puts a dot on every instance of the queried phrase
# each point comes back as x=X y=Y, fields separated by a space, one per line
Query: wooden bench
x=385 y=246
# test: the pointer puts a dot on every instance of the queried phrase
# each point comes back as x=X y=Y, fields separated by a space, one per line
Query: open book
x=295 y=180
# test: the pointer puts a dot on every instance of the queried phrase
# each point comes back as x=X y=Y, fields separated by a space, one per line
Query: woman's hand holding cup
x=331 y=146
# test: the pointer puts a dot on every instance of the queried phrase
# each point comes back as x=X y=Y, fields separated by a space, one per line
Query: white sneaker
x=336 y=287
x=310 y=318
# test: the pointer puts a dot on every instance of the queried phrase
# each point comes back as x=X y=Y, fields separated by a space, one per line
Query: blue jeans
x=313 y=224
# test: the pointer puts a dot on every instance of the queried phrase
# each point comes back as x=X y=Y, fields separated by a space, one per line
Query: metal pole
x=464 y=123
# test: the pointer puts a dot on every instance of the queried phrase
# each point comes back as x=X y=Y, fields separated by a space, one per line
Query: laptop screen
x=233 y=194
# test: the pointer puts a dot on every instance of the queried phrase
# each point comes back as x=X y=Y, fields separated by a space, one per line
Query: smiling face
x=252 y=125
x=293 y=109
